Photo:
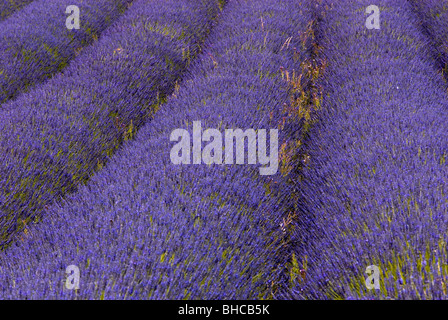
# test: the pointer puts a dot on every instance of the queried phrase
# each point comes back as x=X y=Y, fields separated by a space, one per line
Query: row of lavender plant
x=144 y=227
x=35 y=43
x=375 y=186
x=56 y=136
x=434 y=19
x=8 y=7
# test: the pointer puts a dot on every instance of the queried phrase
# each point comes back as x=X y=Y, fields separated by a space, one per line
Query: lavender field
x=223 y=149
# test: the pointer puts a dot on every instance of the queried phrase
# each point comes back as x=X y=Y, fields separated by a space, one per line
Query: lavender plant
x=375 y=188
x=35 y=43
x=56 y=136
x=8 y=7
x=146 y=228
x=363 y=172
x=434 y=20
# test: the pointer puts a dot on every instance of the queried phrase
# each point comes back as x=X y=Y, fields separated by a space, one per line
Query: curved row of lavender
x=434 y=19
x=54 y=137
x=9 y=7
x=375 y=189
x=35 y=42
x=144 y=227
